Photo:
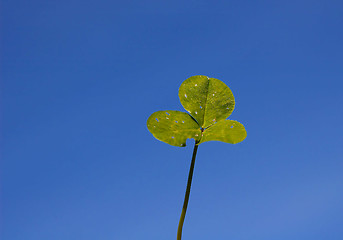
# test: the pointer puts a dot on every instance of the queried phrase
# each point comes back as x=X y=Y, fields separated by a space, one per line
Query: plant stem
x=188 y=190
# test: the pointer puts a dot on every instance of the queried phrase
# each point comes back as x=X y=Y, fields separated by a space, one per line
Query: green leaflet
x=173 y=127
x=228 y=131
x=210 y=102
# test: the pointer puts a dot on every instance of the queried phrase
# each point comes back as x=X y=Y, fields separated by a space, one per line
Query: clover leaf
x=209 y=103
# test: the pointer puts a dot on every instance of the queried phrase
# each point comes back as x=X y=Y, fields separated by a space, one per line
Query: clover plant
x=208 y=102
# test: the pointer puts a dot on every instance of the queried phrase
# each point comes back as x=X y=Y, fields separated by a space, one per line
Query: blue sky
x=80 y=78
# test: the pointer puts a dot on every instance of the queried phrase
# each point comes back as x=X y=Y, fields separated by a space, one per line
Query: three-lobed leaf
x=209 y=102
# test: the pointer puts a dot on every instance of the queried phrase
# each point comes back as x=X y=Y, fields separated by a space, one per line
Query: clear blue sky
x=80 y=78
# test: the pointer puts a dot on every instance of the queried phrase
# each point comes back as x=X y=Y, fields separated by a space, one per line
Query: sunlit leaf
x=209 y=102
x=173 y=127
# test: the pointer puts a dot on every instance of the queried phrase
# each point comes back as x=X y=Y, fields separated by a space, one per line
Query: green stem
x=188 y=190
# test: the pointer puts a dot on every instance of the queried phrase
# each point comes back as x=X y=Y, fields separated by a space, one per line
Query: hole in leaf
x=157 y=119
x=185 y=95
x=183 y=121
x=213 y=94
x=172 y=136
x=200 y=107
x=196 y=112
x=176 y=121
x=167 y=113
x=196 y=84
x=231 y=126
